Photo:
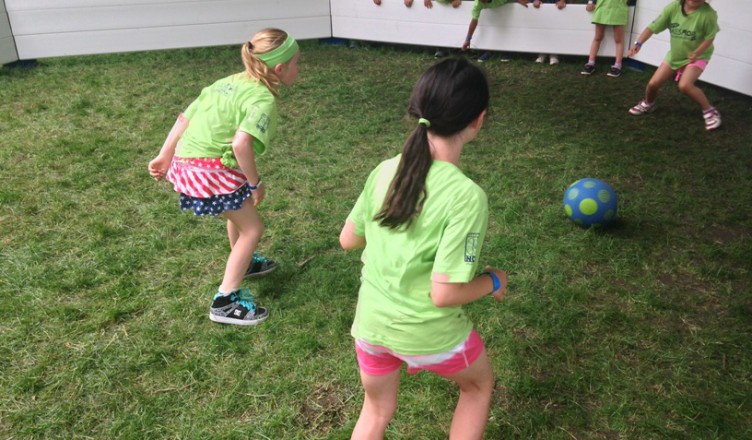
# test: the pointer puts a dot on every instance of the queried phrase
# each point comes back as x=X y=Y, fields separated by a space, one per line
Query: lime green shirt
x=394 y=303
x=611 y=12
x=478 y=6
x=230 y=104
x=687 y=33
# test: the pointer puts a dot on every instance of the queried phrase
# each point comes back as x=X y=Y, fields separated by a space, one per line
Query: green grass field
x=639 y=331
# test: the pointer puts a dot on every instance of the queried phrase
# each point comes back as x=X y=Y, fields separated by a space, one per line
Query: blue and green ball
x=590 y=202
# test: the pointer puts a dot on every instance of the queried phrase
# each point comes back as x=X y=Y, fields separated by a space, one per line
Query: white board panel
x=7 y=44
x=128 y=40
x=139 y=16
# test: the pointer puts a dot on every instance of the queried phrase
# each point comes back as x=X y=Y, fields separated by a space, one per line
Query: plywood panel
x=7 y=44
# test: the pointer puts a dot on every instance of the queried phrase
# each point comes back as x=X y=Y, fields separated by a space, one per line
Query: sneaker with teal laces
x=260 y=266
x=237 y=308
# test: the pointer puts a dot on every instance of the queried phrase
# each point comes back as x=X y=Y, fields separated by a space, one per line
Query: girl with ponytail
x=421 y=223
x=210 y=159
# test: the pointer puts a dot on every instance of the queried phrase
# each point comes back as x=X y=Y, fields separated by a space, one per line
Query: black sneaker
x=614 y=72
x=237 y=308
x=588 y=69
x=260 y=266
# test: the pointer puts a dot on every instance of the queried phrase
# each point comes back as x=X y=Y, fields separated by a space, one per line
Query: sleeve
x=477 y=7
x=711 y=27
x=661 y=23
x=191 y=110
x=462 y=239
x=359 y=214
x=259 y=119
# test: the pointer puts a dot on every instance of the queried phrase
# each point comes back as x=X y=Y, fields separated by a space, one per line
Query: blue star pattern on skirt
x=218 y=204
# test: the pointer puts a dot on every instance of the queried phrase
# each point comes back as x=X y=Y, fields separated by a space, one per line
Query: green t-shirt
x=611 y=12
x=687 y=33
x=394 y=304
x=230 y=104
x=478 y=6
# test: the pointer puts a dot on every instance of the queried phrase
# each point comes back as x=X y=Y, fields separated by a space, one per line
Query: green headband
x=281 y=54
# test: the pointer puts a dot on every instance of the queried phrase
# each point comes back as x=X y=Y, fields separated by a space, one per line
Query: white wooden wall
x=515 y=28
x=7 y=45
x=49 y=28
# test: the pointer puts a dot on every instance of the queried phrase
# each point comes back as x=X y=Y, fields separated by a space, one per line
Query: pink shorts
x=378 y=361
x=700 y=64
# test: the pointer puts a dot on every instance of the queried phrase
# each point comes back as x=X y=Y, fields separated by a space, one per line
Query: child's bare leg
x=378 y=406
x=619 y=41
x=249 y=227
x=661 y=75
x=688 y=87
x=476 y=384
x=595 y=46
x=232 y=233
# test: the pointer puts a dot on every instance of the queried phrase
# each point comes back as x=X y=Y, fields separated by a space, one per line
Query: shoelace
x=245 y=299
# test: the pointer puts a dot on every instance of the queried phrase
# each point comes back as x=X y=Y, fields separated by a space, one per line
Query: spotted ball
x=590 y=202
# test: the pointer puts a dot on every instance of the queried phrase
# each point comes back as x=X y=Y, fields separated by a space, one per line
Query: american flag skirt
x=206 y=186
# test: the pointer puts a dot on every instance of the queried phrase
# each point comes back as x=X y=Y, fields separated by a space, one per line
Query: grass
x=639 y=331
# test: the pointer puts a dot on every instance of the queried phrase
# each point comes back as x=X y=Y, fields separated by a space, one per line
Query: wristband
x=254 y=187
x=468 y=38
x=638 y=44
x=496 y=282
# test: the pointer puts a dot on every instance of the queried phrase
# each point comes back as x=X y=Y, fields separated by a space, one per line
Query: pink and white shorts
x=700 y=64
x=377 y=360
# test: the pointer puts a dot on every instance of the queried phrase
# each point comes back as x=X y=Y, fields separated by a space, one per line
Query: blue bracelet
x=254 y=187
x=638 y=44
x=496 y=282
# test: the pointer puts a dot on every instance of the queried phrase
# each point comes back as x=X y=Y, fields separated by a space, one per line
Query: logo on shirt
x=225 y=90
x=263 y=123
x=471 y=247
x=684 y=34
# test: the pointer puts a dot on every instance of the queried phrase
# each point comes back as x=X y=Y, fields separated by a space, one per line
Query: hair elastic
x=281 y=54
x=425 y=122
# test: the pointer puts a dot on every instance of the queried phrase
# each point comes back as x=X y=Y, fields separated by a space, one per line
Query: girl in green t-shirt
x=421 y=223
x=693 y=25
x=614 y=13
x=209 y=157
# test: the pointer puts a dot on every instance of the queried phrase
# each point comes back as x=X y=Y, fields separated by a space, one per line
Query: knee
x=686 y=87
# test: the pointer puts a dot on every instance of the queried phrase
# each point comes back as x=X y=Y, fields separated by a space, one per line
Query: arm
x=644 y=36
x=470 y=32
x=348 y=239
x=523 y=2
x=700 y=49
x=242 y=147
x=590 y=6
x=159 y=165
x=561 y=4
x=446 y=294
x=536 y=4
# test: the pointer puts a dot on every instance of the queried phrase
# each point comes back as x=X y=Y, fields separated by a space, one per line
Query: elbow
x=440 y=300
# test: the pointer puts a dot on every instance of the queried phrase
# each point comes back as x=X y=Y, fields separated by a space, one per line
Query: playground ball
x=590 y=202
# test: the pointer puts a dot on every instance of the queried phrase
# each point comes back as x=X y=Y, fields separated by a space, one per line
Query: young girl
x=693 y=25
x=422 y=223
x=607 y=13
x=478 y=7
x=560 y=4
x=214 y=168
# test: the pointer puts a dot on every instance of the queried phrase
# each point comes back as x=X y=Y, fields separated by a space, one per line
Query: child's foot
x=614 y=72
x=485 y=56
x=554 y=59
x=642 y=108
x=588 y=69
x=260 y=266
x=541 y=59
x=505 y=58
x=439 y=53
x=712 y=118
x=237 y=308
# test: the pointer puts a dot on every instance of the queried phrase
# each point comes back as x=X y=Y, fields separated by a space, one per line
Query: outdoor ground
x=639 y=331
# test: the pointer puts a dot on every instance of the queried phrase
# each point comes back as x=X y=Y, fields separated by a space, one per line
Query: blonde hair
x=264 y=41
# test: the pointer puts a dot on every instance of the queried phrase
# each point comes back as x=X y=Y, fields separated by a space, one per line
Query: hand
x=590 y=7
x=536 y=4
x=377 y=2
x=408 y=3
x=465 y=45
x=502 y=275
x=158 y=167
x=561 y=4
x=523 y=2
x=633 y=50
x=428 y=3
x=259 y=194
x=692 y=57
x=456 y=3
